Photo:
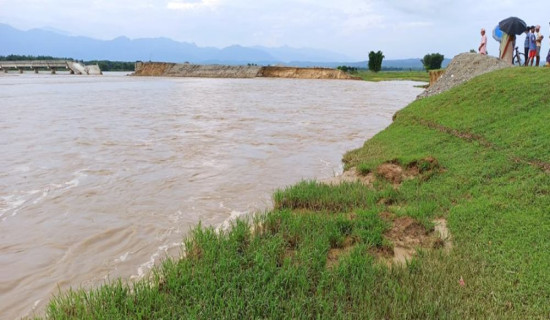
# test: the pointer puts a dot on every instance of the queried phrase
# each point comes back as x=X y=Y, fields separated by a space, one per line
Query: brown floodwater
x=104 y=176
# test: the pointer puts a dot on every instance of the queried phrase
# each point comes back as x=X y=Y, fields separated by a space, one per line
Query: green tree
x=375 y=61
x=432 y=61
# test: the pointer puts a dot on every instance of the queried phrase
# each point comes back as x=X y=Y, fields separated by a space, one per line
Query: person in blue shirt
x=532 y=46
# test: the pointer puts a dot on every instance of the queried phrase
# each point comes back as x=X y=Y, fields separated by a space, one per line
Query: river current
x=104 y=176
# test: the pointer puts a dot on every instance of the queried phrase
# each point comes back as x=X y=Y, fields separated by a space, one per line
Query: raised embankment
x=163 y=69
x=304 y=73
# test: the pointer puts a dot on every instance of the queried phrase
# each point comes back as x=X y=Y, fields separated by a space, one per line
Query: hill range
x=49 y=42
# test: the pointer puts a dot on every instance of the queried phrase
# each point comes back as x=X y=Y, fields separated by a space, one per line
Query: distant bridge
x=53 y=65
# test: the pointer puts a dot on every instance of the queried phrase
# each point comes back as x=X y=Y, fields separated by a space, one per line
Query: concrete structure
x=52 y=65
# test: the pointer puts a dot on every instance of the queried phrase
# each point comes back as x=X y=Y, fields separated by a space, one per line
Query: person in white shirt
x=538 y=41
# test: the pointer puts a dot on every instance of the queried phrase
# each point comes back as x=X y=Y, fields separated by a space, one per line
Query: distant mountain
x=58 y=43
x=53 y=42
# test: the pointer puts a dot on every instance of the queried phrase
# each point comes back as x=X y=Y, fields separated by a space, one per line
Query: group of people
x=533 y=42
x=532 y=46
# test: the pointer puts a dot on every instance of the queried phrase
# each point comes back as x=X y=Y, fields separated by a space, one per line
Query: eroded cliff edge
x=164 y=69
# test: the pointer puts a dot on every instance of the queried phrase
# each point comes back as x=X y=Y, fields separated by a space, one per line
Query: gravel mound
x=462 y=68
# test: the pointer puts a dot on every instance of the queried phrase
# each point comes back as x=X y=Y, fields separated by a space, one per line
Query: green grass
x=490 y=139
x=394 y=75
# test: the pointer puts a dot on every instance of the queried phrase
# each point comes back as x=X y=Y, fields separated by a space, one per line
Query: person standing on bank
x=538 y=41
x=483 y=45
x=526 y=45
x=507 y=45
x=532 y=46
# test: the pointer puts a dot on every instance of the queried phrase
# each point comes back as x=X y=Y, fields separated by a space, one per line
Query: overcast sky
x=400 y=28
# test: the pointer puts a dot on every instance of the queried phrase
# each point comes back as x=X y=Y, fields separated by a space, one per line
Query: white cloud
x=422 y=7
x=192 y=4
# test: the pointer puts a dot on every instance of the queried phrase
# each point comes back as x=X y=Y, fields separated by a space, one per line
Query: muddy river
x=101 y=177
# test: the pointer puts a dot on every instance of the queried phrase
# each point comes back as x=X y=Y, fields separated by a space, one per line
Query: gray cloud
x=401 y=29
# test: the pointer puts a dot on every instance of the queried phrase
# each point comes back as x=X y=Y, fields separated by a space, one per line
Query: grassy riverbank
x=394 y=75
x=480 y=157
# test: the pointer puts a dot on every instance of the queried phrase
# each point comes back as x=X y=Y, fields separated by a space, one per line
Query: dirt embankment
x=156 y=69
x=304 y=73
x=163 y=69
x=462 y=68
x=212 y=71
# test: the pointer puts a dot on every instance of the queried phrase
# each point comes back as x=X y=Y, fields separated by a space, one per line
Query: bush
x=347 y=69
x=432 y=61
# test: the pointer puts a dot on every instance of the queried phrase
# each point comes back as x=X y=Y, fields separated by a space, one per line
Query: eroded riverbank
x=165 y=69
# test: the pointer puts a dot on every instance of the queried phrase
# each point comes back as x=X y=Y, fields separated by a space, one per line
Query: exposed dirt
x=334 y=254
x=152 y=69
x=395 y=173
x=462 y=68
x=351 y=176
x=440 y=227
x=162 y=69
x=304 y=73
x=435 y=75
x=545 y=166
x=223 y=71
x=408 y=235
x=391 y=171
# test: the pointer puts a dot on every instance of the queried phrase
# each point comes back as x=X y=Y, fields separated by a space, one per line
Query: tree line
x=431 y=61
x=104 y=65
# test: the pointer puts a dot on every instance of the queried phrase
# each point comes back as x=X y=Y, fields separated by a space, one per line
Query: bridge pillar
x=53 y=70
x=35 y=70
x=20 y=70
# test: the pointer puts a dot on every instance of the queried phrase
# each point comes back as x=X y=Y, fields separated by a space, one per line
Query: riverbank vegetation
x=476 y=156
